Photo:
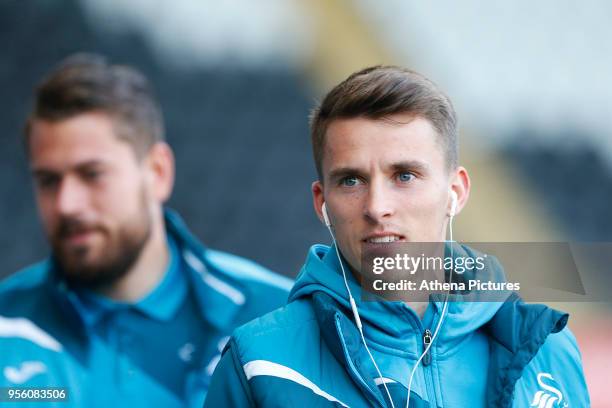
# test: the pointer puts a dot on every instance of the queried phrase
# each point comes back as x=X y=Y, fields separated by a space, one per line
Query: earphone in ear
x=325 y=216
x=454 y=199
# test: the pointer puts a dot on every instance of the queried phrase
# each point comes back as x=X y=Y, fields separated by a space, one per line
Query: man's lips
x=384 y=238
x=79 y=237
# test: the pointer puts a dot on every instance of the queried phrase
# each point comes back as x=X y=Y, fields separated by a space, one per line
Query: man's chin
x=90 y=276
x=94 y=262
x=90 y=270
x=81 y=258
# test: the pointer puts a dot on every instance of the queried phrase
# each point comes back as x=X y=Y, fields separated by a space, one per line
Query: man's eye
x=404 y=177
x=92 y=175
x=47 y=182
x=349 y=181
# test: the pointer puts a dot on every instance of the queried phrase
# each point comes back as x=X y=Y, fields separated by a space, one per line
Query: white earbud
x=325 y=216
x=454 y=200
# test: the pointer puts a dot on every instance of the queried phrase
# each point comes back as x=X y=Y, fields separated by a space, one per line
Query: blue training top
x=159 y=351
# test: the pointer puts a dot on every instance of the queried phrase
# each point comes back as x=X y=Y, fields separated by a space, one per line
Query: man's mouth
x=384 y=238
x=79 y=237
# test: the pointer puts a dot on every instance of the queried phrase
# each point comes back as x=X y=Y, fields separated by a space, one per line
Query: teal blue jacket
x=45 y=341
x=309 y=353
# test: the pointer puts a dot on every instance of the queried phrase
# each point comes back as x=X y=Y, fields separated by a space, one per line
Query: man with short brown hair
x=129 y=309
x=384 y=143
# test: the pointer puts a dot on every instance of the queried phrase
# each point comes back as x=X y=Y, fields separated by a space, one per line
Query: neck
x=418 y=307
x=146 y=273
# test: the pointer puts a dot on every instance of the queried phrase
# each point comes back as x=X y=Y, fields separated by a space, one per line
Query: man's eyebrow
x=410 y=165
x=42 y=170
x=90 y=163
x=342 y=172
x=416 y=166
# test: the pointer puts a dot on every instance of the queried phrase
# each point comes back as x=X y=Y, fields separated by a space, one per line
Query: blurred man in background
x=385 y=148
x=130 y=308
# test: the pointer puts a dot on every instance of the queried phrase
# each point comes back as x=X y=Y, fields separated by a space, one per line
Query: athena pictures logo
x=486 y=271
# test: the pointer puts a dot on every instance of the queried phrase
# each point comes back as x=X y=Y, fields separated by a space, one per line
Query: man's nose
x=71 y=197
x=379 y=203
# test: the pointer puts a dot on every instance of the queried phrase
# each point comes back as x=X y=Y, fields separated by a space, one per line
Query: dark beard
x=120 y=255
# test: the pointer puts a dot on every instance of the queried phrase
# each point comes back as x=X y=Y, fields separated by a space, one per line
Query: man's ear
x=318 y=198
x=460 y=184
x=160 y=169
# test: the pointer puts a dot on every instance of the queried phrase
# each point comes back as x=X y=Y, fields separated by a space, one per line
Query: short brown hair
x=86 y=83
x=378 y=92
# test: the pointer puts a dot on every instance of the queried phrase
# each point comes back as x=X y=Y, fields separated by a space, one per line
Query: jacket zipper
x=426 y=342
x=428 y=375
x=427 y=369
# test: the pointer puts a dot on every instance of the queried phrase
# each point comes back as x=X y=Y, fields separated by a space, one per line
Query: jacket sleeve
x=229 y=386
x=574 y=374
x=555 y=370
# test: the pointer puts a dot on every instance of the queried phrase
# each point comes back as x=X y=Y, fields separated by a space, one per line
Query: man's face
x=92 y=197
x=385 y=181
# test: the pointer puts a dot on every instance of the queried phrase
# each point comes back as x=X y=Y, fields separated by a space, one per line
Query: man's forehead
x=364 y=142
x=87 y=137
x=408 y=126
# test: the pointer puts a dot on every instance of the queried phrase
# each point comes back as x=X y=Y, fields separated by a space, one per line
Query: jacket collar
x=344 y=341
x=220 y=297
x=517 y=331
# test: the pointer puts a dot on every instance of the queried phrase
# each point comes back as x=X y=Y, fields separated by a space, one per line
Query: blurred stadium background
x=236 y=79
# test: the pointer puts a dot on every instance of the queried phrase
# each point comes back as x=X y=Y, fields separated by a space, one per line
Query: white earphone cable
x=358 y=319
x=442 y=315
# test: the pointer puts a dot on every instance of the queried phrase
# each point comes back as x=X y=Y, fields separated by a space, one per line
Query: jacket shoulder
x=267 y=336
x=260 y=363
x=281 y=359
x=247 y=271
x=30 y=278
x=284 y=320
x=556 y=369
